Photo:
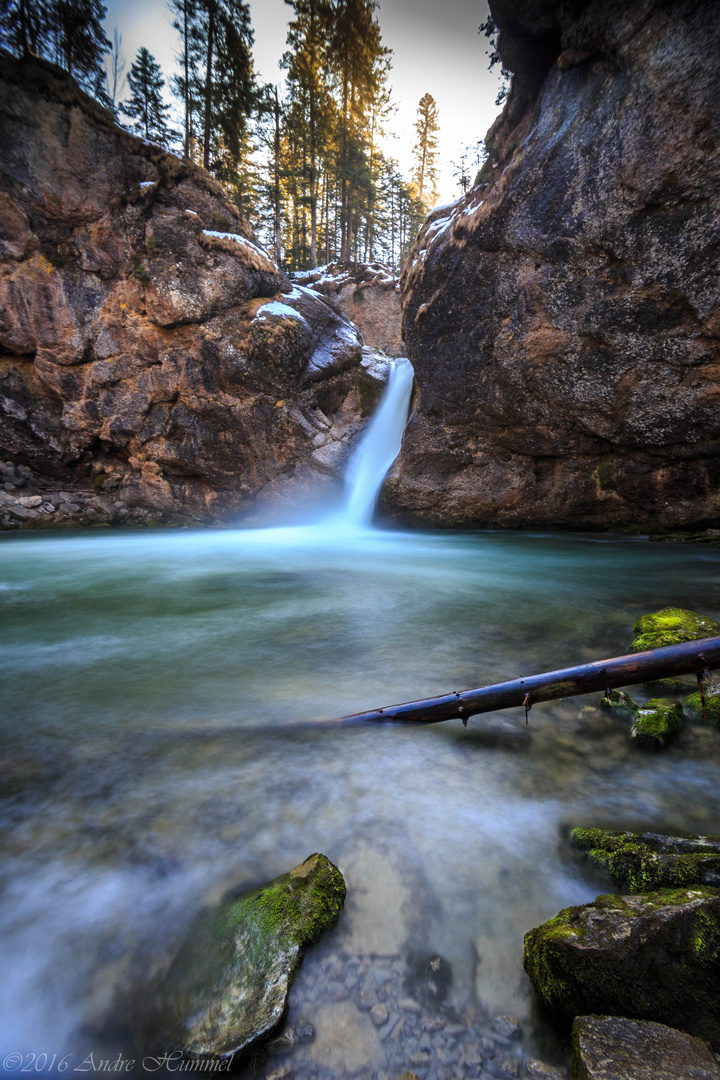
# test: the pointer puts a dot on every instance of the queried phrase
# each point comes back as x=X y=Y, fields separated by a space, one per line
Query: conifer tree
x=425 y=150
x=80 y=42
x=307 y=64
x=145 y=104
x=25 y=27
x=182 y=85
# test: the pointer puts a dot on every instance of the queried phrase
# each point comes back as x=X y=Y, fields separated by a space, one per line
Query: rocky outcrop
x=368 y=294
x=649 y=957
x=228 y=990
x=154 y=363
x=615 y=1048
x=563 y=317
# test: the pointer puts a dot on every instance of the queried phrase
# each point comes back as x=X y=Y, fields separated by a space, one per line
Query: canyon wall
x=563 y=317
x=155 y=365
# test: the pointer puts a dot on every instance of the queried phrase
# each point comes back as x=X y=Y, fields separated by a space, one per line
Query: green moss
x=98 y=483
x=619 y=704
x=657 y=722
x=692 y=706
x=640 y=863
x=671 y=626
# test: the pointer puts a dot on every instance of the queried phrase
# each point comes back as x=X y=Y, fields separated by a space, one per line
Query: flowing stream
x=158 y=749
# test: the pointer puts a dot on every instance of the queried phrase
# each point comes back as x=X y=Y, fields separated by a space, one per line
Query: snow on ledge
x=242 y=240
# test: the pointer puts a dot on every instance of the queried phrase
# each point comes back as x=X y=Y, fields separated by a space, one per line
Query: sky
x=436 y=50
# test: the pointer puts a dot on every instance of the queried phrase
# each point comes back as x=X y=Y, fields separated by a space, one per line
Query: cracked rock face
x=563 y=317
x=153 y=360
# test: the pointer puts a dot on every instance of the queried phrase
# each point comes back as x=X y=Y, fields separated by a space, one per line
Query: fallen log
x=688 y=658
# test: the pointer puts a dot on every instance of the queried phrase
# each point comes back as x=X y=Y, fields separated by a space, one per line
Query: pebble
x=30 y=501
x=420 y=1058
x=408 y=1005
x=366 y=999
x=506 y=1027
x=538 y=1070
x=379 y=1014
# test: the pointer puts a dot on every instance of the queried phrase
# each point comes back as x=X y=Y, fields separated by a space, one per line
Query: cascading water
x=379 y=446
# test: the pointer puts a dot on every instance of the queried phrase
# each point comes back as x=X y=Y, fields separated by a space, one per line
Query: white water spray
x=379 y=446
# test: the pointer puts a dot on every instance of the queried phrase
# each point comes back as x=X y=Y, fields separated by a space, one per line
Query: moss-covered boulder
x=618 y=704
x=671 y=626
x=228 y=990
x=650 y=957
x=657 y=722
x=644 y=862
x=692 y=707
x=615 y=1048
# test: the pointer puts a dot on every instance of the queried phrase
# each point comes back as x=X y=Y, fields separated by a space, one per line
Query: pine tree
x=425 y=150
x=307 y=65
x=182 y=85
x=25 y=27
x=80 y=42
x=356 y=48
x=145 y=104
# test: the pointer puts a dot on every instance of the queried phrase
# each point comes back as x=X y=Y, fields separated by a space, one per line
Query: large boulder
x=563 y=316
x=651 y=957
x=152 y=356
x=228 y=990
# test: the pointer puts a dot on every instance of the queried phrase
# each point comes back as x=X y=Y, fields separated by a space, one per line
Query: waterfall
x=379 y=446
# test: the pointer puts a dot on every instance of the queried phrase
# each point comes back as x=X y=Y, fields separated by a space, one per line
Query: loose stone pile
x=415 y=1026
x=29 y=500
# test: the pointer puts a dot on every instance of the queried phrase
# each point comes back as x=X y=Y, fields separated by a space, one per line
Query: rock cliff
x=563 y=317
x=368 y=294
x=154 y=363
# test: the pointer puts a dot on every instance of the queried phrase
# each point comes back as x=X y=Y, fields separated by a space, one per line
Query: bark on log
x=689 y=658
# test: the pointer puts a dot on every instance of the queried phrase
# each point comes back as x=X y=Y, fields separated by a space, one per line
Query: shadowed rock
x=651 y=957
x=644 y=862
x=615 y=1048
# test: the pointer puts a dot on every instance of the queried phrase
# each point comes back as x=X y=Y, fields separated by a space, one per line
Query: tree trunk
x=691 y=657
x=208 y=85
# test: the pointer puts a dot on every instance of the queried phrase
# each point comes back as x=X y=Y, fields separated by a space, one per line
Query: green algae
x=671 y=626
x=657 y=722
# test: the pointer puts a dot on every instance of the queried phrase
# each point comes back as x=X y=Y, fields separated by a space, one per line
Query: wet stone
x=506 y=1027
x=379 y=1014
x=538 y=1070
x=366 y=999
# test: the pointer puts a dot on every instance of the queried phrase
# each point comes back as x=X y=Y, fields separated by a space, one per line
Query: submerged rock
x=615 y=1048
x=644 y=862
x=671 y=626
x=692 y=706
x=619 y=704
x=657 y=722
x=229 y=987
x=651 y=957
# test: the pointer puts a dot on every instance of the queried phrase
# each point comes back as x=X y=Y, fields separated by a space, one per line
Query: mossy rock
x=645 y=862
x=661 y=687
x=228 y=989
x=618 y=704
x=671 y=626
x=657 y=722
x=692 y=707
x=650 y=957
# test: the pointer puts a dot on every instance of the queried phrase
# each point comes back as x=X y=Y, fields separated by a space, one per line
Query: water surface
x=158 y=749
